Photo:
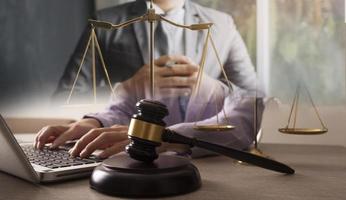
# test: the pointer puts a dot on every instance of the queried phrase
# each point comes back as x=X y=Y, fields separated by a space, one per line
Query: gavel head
x=145 y=130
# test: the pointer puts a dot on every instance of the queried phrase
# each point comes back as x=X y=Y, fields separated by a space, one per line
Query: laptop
x=38 y=166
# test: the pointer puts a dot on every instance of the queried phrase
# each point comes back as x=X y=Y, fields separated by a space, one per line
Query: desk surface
x=320 y=174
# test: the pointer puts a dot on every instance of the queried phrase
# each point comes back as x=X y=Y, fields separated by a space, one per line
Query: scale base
x=166 y=176
x=255 y=151
x=214 y=127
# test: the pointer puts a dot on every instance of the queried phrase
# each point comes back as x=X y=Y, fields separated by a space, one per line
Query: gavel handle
x=173 y=137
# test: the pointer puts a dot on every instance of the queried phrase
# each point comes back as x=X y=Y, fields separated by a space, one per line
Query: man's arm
x=239 y=112
x=238 y=107
x=121 y=108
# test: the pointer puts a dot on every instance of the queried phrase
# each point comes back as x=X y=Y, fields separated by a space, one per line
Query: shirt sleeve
x=239 y=106
x=120 y=110
x=238 y=110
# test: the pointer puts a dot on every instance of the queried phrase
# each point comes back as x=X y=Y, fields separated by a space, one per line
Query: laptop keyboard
x=55 y=158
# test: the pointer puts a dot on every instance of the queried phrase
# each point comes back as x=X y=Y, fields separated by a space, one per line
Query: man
x=126 y=50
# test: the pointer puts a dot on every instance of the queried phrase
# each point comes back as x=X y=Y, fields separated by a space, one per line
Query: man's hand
x=177 y=76
x=113 y=140
x=91 y=137
x=58 y=135
x=174 y=76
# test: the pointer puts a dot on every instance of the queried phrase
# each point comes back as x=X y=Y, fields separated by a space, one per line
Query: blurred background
x=289 y=41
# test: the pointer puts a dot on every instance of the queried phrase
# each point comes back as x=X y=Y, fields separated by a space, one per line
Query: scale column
x=151 y=19
x=93 y=63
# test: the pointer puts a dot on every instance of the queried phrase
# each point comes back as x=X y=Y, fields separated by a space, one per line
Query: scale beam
x=150 y=17
x=108 y=25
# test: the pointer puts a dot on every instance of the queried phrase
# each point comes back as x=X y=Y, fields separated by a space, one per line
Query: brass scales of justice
x=151 y=17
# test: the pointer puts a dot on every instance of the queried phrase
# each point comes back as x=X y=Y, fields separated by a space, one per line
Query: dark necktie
x=162 y=48
x=161 y=40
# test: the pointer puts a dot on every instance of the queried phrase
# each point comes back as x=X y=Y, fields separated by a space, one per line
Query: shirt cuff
x=104 y=121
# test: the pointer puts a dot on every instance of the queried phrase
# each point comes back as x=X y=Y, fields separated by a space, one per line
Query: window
x=244 y=15
x=303 y=41
x=298 y=41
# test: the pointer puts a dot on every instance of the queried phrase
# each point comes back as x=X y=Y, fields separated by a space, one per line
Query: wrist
x=95 y=123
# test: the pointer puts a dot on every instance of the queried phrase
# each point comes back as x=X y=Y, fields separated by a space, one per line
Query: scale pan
x=303 y=131
x=213 y=127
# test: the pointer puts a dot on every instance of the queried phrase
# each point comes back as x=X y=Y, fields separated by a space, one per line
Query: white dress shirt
x=175 y=35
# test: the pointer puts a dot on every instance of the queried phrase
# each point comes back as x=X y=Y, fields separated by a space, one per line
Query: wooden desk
x=320 y=174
